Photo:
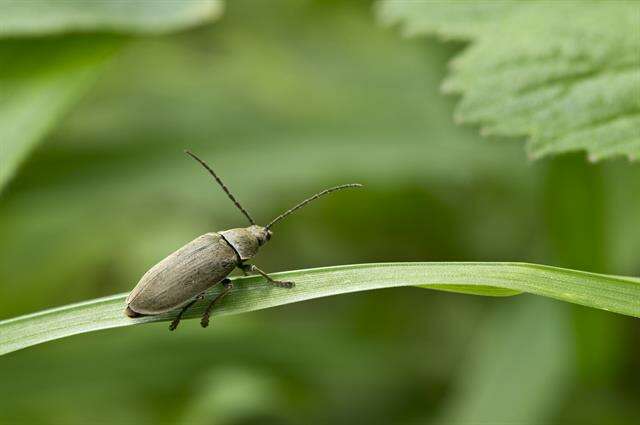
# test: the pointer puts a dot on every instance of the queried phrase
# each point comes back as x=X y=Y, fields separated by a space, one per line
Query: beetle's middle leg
x=174 y=324
x=252 y=268
x=227 y=286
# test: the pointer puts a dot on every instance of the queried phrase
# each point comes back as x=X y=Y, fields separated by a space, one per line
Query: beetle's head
x=262 y=234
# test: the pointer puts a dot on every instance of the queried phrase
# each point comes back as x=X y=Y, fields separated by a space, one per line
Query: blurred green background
x=283 y=99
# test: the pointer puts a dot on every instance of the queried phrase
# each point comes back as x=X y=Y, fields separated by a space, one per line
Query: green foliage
x=284 y=98
x=39 y=17
x=611 y=293
x=564 y=74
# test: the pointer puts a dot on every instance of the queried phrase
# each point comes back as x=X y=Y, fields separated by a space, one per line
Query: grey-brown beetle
x=182 y=277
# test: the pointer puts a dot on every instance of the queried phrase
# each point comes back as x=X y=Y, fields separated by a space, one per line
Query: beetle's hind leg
x=252 y=268
x=226 y=287
x=174 y=324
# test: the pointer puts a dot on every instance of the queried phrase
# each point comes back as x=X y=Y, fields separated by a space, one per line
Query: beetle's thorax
x=246 y=240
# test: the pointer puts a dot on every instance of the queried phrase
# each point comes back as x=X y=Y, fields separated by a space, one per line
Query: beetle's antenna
x=226 y=190
x=306 y=201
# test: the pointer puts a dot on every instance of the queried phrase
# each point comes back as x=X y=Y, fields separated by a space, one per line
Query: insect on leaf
x=612 y=293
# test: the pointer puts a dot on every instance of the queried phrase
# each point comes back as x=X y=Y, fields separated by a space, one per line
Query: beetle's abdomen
x=182 y=275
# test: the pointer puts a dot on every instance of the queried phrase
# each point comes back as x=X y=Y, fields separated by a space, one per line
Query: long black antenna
x=306 y=201
x=226 y=190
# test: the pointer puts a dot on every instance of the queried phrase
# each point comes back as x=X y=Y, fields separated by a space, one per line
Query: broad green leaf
x=40 y=80
x=38 y=17
x=611 y=293
x=564 y=74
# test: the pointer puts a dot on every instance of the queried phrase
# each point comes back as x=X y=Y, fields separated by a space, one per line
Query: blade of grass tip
x=612 y=293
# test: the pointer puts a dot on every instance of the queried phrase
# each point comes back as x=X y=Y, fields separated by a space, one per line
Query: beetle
x=182 y=278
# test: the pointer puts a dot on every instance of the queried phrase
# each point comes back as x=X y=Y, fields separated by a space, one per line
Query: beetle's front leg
x=252 y=268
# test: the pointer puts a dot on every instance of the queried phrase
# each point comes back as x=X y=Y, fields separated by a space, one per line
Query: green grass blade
x=611 y=293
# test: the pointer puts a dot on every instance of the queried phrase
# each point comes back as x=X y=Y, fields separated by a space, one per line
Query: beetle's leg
x=252 y=268
x=176 y=321
x=227 y=286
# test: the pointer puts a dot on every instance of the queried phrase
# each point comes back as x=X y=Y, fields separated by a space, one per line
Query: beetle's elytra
x=183 y=276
